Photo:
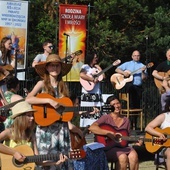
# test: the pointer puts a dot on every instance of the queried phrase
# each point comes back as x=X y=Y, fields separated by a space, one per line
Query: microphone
x=66 y=34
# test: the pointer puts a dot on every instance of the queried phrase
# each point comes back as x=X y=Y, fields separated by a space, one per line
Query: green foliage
x=115 y=27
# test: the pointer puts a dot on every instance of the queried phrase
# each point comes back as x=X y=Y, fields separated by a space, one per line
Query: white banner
x=13 y=24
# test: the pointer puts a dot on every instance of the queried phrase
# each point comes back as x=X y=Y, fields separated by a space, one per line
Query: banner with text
x=13 y=24
x=72 y=36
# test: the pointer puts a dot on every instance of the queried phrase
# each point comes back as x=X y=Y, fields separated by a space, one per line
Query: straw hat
x=20 y=108
x=40 y=67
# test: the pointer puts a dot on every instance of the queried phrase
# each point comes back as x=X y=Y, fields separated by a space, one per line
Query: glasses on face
x=51 y=47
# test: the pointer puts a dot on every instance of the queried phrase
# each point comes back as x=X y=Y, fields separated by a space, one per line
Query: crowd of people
x=21 y=127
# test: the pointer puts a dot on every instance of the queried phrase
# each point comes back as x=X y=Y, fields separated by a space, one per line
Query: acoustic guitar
x=76 y=141
x=89 y=85
x=158 y=82
x=46 y=114
x=8 y=162
x=154 y=143
x=8 y=68
x=118 y=80
x=120 y=139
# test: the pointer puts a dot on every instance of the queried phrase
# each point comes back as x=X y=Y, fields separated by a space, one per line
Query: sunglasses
x=51 y=47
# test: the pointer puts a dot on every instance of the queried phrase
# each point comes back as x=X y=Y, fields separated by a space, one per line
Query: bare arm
x=84 y=76
x=157 y=76
x=16 y=97
x=94 y=128
x=150 y=128
x=34 y=63
x=32 y=99
x=9 y=151
x=120 y=71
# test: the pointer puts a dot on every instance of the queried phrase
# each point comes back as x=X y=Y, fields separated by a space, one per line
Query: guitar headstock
x=117 y=62
x=149 y=65
x=78 y=52
x=77 y=154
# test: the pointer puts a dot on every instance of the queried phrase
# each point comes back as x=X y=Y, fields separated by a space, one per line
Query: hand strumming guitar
x=53 y=103
x=111 y=135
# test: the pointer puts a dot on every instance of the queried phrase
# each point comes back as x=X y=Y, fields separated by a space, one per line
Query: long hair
x=6 y=54
x=62 y=89
x=20 y=129
x=90 y=57
x=12 y=82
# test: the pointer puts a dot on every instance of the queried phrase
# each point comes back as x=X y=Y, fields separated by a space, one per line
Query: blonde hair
x=20 y=129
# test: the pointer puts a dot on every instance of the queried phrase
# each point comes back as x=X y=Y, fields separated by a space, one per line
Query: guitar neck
x=85 y=109
x=132 y=73
x=103 y=71
x=129 y=138
x=75 y=154
x=40 y=158
x=76 y=109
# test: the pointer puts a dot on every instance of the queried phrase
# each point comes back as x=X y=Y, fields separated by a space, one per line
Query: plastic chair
x=131 y=112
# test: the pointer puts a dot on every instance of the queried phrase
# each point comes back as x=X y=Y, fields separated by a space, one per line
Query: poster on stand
x=13 y=24
x=72 y=37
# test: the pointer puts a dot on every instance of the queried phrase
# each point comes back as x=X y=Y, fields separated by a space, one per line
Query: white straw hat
x=20 y=108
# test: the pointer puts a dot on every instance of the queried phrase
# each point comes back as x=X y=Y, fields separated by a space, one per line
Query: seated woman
x=123 y=155
x=162 y=121
x=21 y=132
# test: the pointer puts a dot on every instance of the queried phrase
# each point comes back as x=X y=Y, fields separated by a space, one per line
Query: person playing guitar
x=134 y=88
x=117 y=150
x=92 y=97
x=162 y=122
x=54 y=137
x=6 y=63
x=161 y=73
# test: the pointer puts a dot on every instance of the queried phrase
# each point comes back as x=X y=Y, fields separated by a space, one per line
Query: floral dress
x=53 y=139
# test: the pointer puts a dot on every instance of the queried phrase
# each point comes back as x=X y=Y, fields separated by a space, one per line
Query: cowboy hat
x=40 y=67
x=21 y=108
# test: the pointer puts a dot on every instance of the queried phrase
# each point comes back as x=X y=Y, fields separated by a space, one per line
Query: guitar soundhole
x=118 y=137
x=17 y=163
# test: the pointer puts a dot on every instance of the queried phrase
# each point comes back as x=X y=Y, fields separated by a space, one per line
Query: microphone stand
x=66 y=50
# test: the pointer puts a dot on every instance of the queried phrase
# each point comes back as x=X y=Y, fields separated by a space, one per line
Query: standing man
x=160 y=74
x=48 y=47
x=134 y=88
x=91 y=97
